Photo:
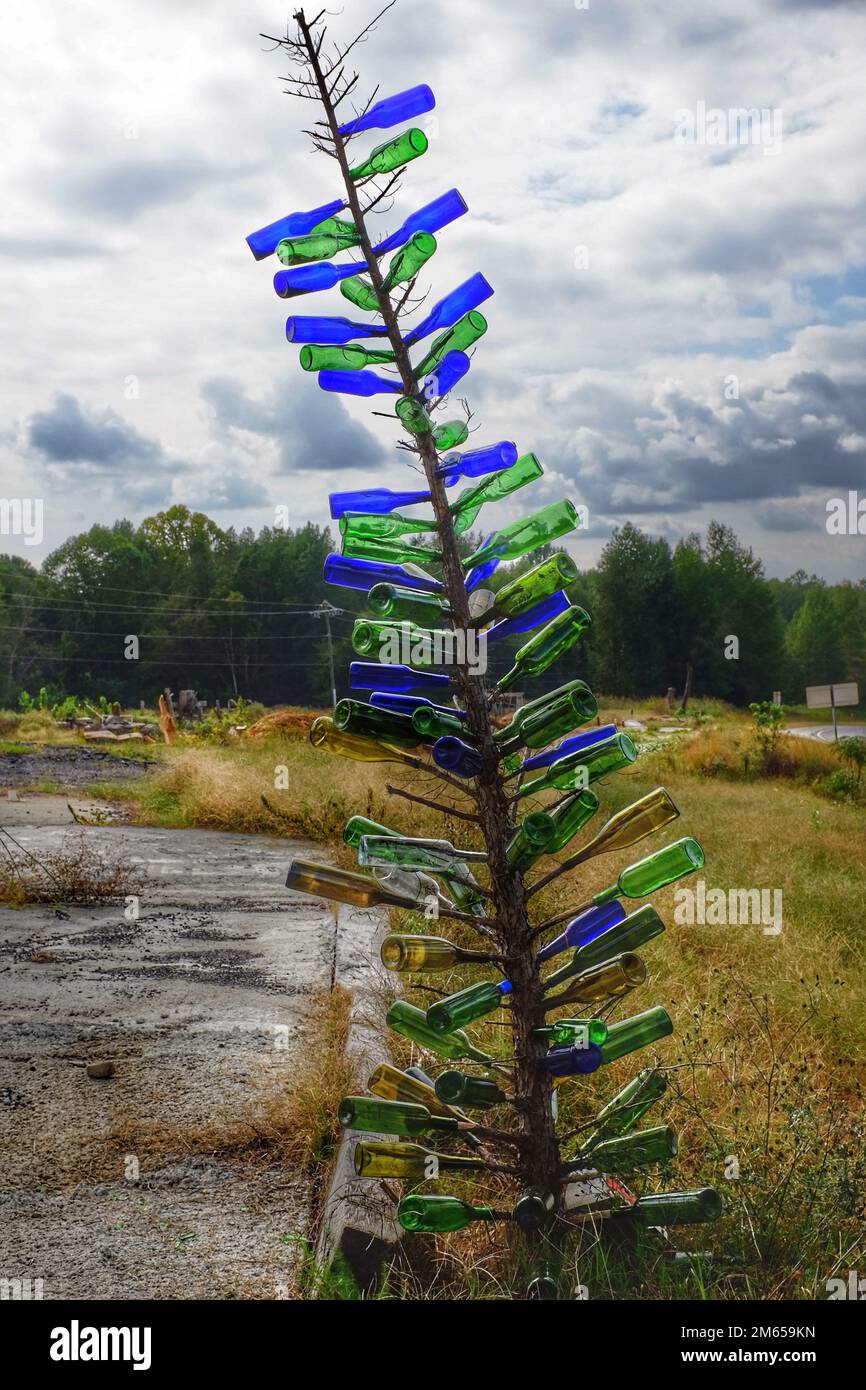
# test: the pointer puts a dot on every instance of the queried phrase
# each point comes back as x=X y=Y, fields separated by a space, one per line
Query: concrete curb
x=358 y=1229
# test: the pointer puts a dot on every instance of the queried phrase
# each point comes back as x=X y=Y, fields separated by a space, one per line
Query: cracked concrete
x=142 y=1186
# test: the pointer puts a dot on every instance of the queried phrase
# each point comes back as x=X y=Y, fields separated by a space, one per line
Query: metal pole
x=833 y=707
x=331 y=660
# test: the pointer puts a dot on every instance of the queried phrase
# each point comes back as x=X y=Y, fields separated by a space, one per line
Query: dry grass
x=77 y=873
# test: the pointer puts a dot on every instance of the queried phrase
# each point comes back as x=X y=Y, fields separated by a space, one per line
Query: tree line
x=124 y=611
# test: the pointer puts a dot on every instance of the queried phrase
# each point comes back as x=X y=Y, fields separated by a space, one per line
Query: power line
x=96 y=661
x=201 y=612
x=155 y=636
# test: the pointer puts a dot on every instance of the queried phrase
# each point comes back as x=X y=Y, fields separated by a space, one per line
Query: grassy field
x=767 y=1060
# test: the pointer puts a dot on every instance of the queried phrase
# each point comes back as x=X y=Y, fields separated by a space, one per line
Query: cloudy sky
x=679 y=323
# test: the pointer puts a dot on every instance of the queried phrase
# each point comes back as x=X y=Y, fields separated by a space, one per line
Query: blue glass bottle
x=306 y=279
x=453 y=755
x=572 y=1061
x=373 y=499
x=476 y=577
x=431 y=218
x=406 y=704
x=573 y=744
x=533 y=617
x=353 y=573
x=264 y=242
x=361 y=383
x=373 y=675
x=477 y=462
x=442 y=379
x=586 y=926
x=329 y=330
x=467 y=296
x=392 y=110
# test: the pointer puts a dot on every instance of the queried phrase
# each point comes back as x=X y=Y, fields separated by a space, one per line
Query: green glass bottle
x=340 y=226
x=603 y=982
x=363 y=525
x=355 y=717
x=356 y=826
x=547 y=645
x=412 y=1023
x=675 y=1208
x=391 y=1116
x=534 y=1209
x=440 y=1214
x=411 y=1162
x=584 y=765
x=532 y=838
x=450 y=435
x=628 y=1106
x=629 y=825
x=323 y=735
x=427 y=646
x=656 y=871
x=466 y=1005
x=391 y=154
x=540 y=582
x=413 y=415
x=629 y=1034
x=391 y=549
x=376 y=852
x=542 y=1288
x=476 y=1092
x=430 y=724
x=530 y=532
x=424 y=953
x=570 y=816
x=303 y=250
x=461 y=335
x=341 y=359
x=633 y=931
x=568 y=1032
x=394 y=601
x=547 y=718
x=494 y=488
x=343 y=886
x=389 y=1083
x=630 y=1151
x=359 y=291
x=410 y=259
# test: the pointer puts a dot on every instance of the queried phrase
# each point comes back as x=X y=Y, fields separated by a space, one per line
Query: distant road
x=824 y=732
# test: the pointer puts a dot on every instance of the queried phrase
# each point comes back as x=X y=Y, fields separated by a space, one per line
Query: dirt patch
x=69 y=767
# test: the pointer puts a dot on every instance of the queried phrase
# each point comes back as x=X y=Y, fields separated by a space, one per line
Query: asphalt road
x=824 y=732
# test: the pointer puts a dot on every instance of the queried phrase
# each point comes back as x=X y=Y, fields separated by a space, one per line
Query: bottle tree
x=428 y=709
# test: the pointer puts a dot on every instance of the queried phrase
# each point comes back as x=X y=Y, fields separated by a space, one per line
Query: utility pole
x=325 y=610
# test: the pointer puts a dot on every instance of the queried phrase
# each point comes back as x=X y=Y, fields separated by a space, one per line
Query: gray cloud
x=66 y=434
x=310 y=428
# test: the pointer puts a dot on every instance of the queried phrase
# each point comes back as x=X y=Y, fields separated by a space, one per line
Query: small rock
x=100 y=1071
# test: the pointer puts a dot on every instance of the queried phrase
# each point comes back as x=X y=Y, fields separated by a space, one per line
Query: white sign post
x=830 y=696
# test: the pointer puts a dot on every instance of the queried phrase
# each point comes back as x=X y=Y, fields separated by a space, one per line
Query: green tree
x=814 y=643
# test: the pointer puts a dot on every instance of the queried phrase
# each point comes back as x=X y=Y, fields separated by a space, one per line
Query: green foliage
x=768 y=728
x=853 y=751
x=225 y=611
